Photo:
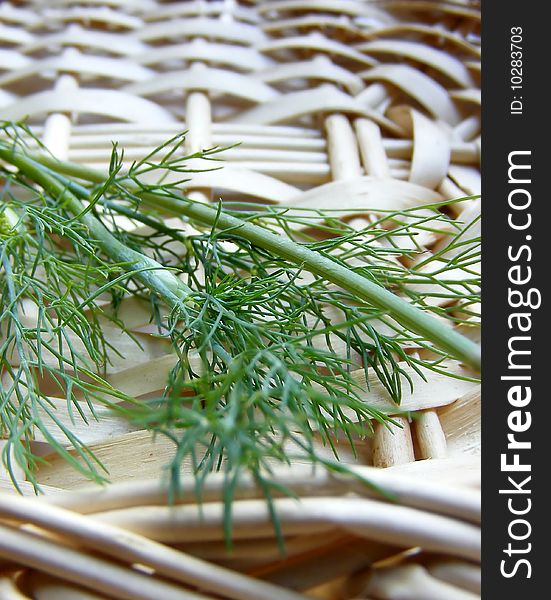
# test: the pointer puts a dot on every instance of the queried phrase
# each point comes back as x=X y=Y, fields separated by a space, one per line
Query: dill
x=268 y=324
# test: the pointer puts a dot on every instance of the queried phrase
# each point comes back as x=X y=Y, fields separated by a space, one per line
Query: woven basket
x=377 y=103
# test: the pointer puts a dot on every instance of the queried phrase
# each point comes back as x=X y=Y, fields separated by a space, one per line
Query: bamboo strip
x=431 y=441
x=114 y=104
x=105 y=15
x=462 y=503
x=411 y=582
x=319 y=566
x=83 y=569
x=57 y=127
x=49 y=588
x=457 y=470
x=461 y=424
x=452 y=8
x=431 y=95
x=201 y=77
x=9 y=589
x=7 y=458
x=372 y=149
x=392 y=444
x=342 y=148
x=318 y=43
x=198 y=137
x=386 y=523
x=264 y=151
x=6 y=486
x=236 y=57
x=442 y=61
x=324 y=99
x=320 y=68
x=456 y=572
x=74 y=35
x=239 y=33
x=258 y=554
x=122 y=545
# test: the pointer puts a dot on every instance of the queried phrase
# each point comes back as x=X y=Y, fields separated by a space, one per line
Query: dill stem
x=157 y=277
x=399 y=309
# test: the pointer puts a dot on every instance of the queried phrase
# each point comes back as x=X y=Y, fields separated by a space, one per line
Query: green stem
x=156 y=277
x=402 y=311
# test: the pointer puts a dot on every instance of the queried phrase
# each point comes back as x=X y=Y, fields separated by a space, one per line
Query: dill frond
x=268 y=324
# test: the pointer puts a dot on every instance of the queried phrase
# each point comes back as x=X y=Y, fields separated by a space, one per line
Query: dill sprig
x=267 y=322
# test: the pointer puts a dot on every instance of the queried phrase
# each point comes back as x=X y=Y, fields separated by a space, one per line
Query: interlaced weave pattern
x=332 y=104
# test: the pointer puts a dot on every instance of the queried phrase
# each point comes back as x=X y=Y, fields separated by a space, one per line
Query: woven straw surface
x=335 y=104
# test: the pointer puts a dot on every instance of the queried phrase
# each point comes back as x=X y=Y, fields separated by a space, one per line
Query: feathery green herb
x=266 y=321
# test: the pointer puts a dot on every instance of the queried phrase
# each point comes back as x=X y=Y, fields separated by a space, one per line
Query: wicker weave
x=377 y=103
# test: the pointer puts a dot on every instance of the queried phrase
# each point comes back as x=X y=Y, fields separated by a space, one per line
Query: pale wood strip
x=83 y=569
x=275 y=156
x=198 y=137
x=437 y=389
x=14 y=35
x=451 y=500
x=74 y=35
x=352 y=8
x=392 y=444
x=431 y=152
x=111 y=18
x=468 y=178
x=372 y=150
x=342 y=148
x=431 y=441
x=472 y=96
x=367 y=193
x=130 y=6
x=134 y=549
x=459 y=469
x=10 y=60
x=236 y=179
x=167 y=129
x=260 y=553
x=130 y=456
x=27 y=489
x=99 y=427
x=231 y=32
x=201 y=77
x=193 y=8
x=411 y=582
x=109 y=103
x=129 y=354
x=318 y=21
x=379 y=521
x=459 y=9
x=442 y=61
x=25 y=17
x=145 y=141
x=319 y=566
x=461 y=424
x=71 y=60
x=323 y=99
x=431 y=95
x=318 y=68
x=456 y=572
x=44 y=587
x=317 y=42
x=7 y=457
x=57 y=127
x=468 y=128
x=238 y=57
x=96 y=148
x=9 y=589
